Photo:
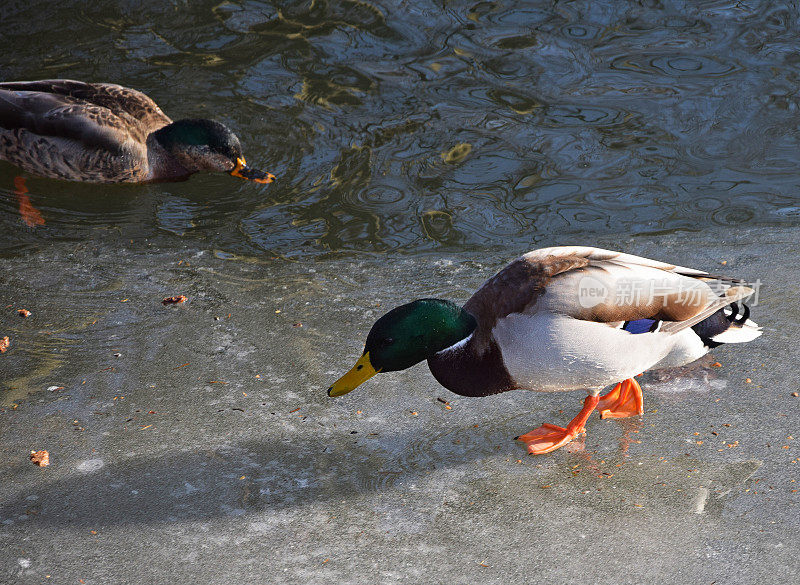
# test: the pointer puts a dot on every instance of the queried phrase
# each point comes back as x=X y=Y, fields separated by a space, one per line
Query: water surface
x=422 y=126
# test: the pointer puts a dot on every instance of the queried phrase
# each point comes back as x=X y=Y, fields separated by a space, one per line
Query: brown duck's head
x=206 y=145
x=404 y=336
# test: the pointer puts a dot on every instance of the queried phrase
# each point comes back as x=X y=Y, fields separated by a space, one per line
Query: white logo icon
x=591 y=292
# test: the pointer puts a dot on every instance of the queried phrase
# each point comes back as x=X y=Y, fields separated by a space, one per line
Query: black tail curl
x=720 y=322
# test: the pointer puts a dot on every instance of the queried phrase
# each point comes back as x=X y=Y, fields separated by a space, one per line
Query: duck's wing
x=603 y=286
x=96 y=115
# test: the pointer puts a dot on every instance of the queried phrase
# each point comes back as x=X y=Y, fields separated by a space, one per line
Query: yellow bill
x=242 y=171
x=360 y=373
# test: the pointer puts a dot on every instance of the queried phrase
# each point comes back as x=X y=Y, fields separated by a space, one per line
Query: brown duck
x=106 y=133
x=556 y=319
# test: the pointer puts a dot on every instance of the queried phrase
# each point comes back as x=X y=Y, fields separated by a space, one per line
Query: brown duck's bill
x=360 y=373
x=242 y=171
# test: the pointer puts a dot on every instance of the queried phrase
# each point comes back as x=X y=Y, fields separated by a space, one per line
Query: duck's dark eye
x=388 y=341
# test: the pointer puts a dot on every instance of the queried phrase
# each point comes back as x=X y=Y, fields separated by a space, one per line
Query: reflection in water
x=421 y=127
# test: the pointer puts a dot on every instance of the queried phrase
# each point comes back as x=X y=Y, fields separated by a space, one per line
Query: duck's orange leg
x=30 y=215
x=623 y=401
x=550 y=437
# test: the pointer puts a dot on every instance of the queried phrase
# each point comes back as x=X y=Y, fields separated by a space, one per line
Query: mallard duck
x=557 y=319
x=106 y=133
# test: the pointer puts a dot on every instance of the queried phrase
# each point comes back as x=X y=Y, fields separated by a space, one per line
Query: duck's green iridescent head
x=206 y=145
x=405 y=336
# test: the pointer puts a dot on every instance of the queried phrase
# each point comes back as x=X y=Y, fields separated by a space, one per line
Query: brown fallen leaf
x=174 y=300
x=24 y=312
x=40 y=458
x=4 y=343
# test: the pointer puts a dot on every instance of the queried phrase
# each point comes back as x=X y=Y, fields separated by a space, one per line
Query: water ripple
x=416 y=127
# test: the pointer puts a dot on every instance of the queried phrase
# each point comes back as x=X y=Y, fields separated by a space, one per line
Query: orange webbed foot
x=30 y=215
x=623 y=401
x=549 y=437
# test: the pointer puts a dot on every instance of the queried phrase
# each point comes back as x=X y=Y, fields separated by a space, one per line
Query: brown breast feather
x=511 y=290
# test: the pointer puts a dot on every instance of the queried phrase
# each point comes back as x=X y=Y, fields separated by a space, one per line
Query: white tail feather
x=748 y=331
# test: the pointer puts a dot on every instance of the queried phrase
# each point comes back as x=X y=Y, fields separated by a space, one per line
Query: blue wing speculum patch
x=641 y=326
